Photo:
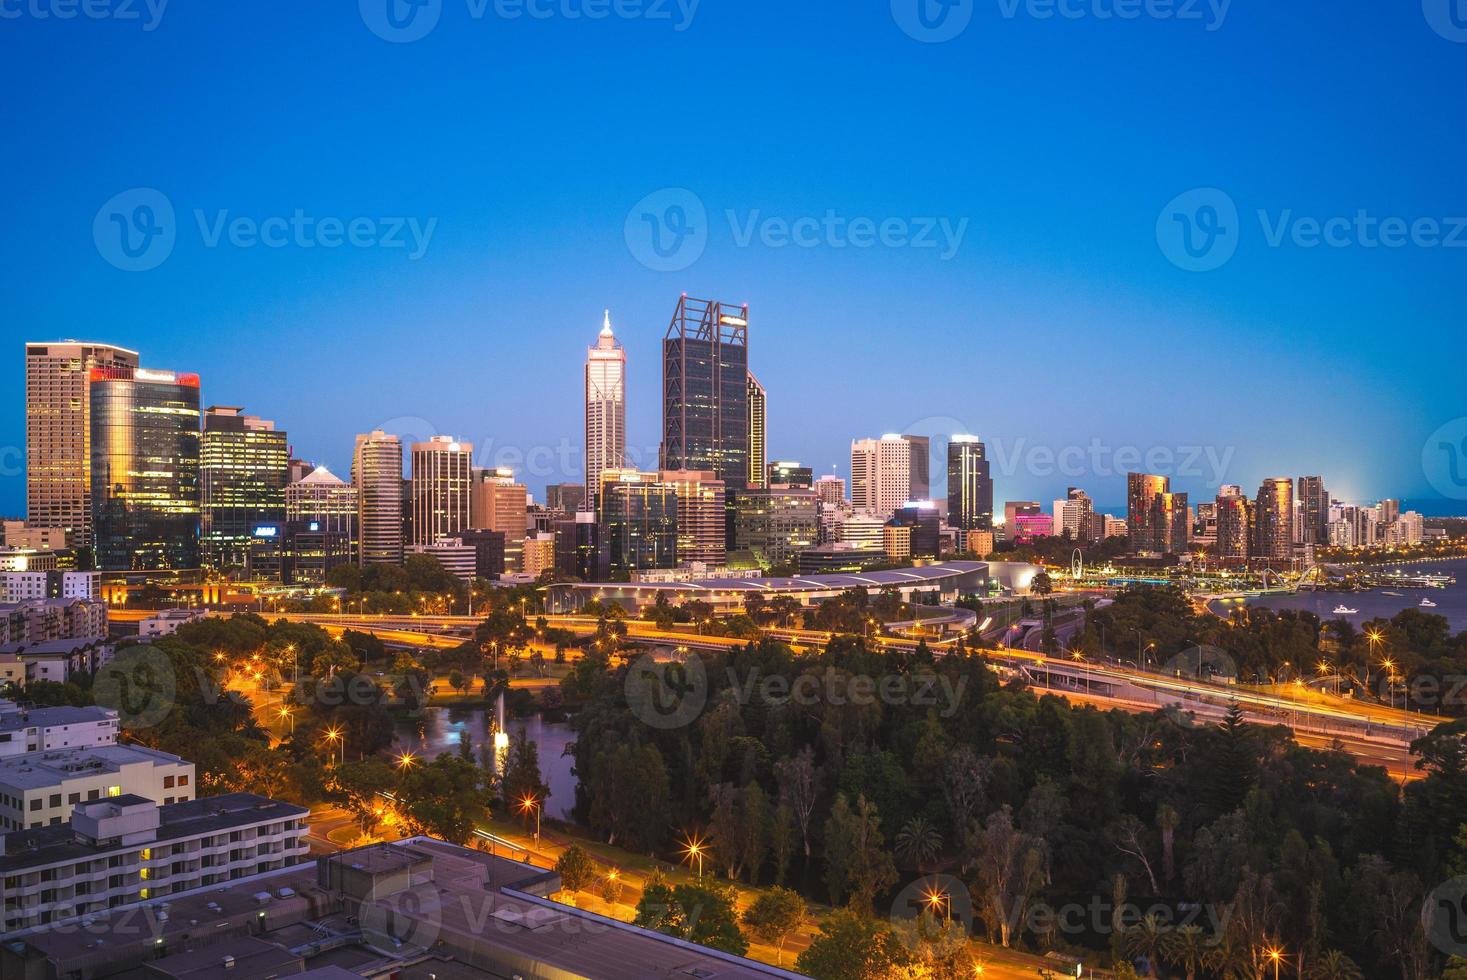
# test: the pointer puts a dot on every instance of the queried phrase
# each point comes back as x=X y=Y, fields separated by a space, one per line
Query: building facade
x=701 y=515
x=1142 y=491
x=500 y=503
x=758 y=432
x=606 y=406
x=1273 y=520
x=637 y=523
x=58 y=432
x=705 y=391
x=442 y=484
x=376 y=473
x=145 y=469
x=244 y=464
x=969 y=485
x=789 y=473
x=776 y=523
x=39 y=789
x=881 y=474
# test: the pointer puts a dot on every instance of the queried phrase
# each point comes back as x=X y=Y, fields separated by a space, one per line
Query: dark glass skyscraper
x=705 y=391
x=1314 y=502
x=638 y=523
x=244 y=464
x=969 y=485
x=145 y=469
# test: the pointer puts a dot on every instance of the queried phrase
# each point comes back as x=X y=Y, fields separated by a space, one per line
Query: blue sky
x=1056 y=144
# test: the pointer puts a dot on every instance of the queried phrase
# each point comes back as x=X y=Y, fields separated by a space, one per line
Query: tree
x=850 y=947
x=918 y=842
x=523 y=787
x=776 y=914
x=1146 y=940
x=704 y=913
x=1188 y=947
x=576 y=869
x=781 y=840
x=442 y=799
x=359 y=784
x=1009 y=865
x=797 y=789
x=1335 y=965
x=856 y=862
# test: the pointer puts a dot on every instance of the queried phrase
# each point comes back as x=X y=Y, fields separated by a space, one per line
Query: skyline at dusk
x=1056 y=321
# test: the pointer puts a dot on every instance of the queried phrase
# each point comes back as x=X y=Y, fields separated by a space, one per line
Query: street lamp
x=1276 y=955
x=531 y=803
x=694 y=850
x=941 y=898
x=334 y=735
x=405 y=760
x=285 y=715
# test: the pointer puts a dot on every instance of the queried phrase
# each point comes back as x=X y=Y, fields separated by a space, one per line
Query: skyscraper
x=244 y=462
x=776 y=523
x=1171 y=523
x=500 y=503
x=1234 y=524
x=324 y=500
x=1273 y=519
x=969 y=485
x=58 y=432
x=637 y=523
x=788 y=473
x=758 y=432
x=441 y=483
x=921 y=463
x=705 y=391
x=1142 y=489
x=376 y=472
x=701 y=515
x=832 y=490
x=1314 y=500
x=145 y=469
x=606 y=406
x=881 y=474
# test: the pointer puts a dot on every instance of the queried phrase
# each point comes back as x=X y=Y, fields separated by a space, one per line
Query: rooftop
x=32 y=770
x=14 y=718
x=895 y=578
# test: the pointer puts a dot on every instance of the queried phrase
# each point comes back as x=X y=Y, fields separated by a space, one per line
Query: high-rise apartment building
x=1234 y=524
x=58 y=432
x=377 y=475
x=1075 y=516
x=1171 y=523
x=606 y=406
x=758 y=432
x=145 y=469
x=1313 y=501
x=1142 y=491
x=244 y=462
x=831 y=490
x=442 y=480
x=500 y=503
x=920 y=487
x=705 y=391
x=701 y=515
x=969 y=485
x=1273 y=520
x=881 y=474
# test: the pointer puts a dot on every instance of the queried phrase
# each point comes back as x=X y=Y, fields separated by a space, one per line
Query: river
x=1451 y=602
x=443 y=729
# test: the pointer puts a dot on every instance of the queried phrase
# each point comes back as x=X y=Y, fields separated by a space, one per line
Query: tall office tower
x=776 y=523
x=499 y=503
x=1075 y=515
x=565 y=497
x=1273 y=519
x=606 y=406
x=1234 y=525
x=1171 y=522
x=924 y=527
x=145 y=469
x=758 y=432
x=1142 y=489
x=789 y=473
x=443 y=476
x=881 y=474
x=702 y=515
x=831 y=489
x=921 y=479
x=376 y=472
x=1313 y=500
x=323 y=503
x=637 y=523
x=969 y=485
x=705 y=391
x=58 y=432
x=244 y=463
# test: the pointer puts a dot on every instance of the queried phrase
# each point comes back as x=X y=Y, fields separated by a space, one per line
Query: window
x=73 y=799
x=91 y=794
x=183 y=780
x=55 y=799
x=167 y=782
x=114 y=790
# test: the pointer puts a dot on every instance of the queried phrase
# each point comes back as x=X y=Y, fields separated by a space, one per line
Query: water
x=443 y=729
x=1451 y=602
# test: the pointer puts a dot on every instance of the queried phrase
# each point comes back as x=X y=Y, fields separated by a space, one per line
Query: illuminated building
x=969 y=485
x=1273 y=520
x=145 y=469
x=243 y=465
x=637 y=520
x=896 y=541
x=701 y=515
x=1028 y=526
x=539 y=554
x=881 y=474
x=925 y=525
x=1234 y=524
x=377 y=475
x=862 y=530
x=789 y=473
x=831 y=490
x=501 y=504
x=1142 y=489
x=920 y=487
x=1171 y=523
x=58 y=432
x=979 y=543
x=705 y=391
x=441 y=483
x=1075 y=516
x=324 y=500
x=1313 y=501
x=775 y=524
x=606 y=407
x=758 y=432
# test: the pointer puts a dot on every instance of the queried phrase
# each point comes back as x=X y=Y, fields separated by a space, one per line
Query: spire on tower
x=606 y=325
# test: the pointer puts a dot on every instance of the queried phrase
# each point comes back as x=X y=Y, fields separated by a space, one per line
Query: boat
x=1344 y=610
x=1396 y=594
x=1427 y=604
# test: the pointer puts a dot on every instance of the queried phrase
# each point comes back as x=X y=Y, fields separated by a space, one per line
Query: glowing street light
x=531 y=803
x=333 y=734
x=406 y=760
x=694 y=849
x=943 y=899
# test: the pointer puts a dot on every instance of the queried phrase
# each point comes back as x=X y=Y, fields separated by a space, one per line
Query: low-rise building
x=54 y=660
x=22 y=586
x=39 y=789
x=126 y=849
x=37 y=620
x=24 y=729
x=167 y=622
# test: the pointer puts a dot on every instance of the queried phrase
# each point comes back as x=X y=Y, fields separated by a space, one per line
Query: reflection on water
x=441 y=730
